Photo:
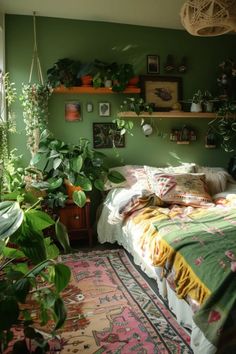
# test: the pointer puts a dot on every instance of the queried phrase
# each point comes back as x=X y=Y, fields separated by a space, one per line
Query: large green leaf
x=36 y=158
x=11 y=217
x=38 y=220
x=115 y=177
x=62 y=276
x=9 y=312
x=99 y=184
x=57 y=162
x=21 y=289
x=77 y=163
x=60 y=311
x=84 y=183
x=9 y=252
x=62 y=236
x=52 y=250
x=79 y=198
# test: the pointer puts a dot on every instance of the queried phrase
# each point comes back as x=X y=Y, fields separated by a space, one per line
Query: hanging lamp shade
x=209 y=17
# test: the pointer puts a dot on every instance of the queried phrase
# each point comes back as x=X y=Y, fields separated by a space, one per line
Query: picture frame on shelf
x=153 y=64
x=161 y=91
x=73 y=111
x=104 y=109
x=107 y=135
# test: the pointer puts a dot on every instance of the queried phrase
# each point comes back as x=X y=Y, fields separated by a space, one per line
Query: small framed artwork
x=104 y=109
x=161 y=91
x=107 y=135
x=73 y=111
x=153 y=64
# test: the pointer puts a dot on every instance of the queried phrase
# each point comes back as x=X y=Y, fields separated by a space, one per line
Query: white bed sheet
x=111 y=228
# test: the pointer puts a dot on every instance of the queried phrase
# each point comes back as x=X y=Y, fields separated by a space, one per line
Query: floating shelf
x=93 y=90
x=170 y=114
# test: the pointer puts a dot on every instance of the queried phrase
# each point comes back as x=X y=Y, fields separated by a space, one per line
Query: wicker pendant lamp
x=209 y=17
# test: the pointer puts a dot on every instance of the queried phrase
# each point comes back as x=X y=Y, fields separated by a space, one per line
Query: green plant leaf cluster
x=76 y=164
x=29 y=274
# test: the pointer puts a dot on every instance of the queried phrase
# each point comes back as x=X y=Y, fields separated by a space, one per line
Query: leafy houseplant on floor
x=76 y=164
x=29 y=275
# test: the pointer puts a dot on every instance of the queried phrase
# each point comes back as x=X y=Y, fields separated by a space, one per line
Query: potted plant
x=121 y=77
x=34 y=99
x=207 y=101
x=224 y=125
x=29 y=273
x=72 y=164
x=196 y=105
x=63 y=72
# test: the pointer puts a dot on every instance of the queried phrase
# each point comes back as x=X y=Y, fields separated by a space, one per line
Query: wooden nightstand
x=77 y=221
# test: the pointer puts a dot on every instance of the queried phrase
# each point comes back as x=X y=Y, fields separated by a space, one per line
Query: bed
x=179 y=224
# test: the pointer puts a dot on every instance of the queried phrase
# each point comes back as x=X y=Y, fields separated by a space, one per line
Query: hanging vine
x=35 y=98
x=7 y=120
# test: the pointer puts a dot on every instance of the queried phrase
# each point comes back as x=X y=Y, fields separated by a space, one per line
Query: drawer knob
x=77 y=217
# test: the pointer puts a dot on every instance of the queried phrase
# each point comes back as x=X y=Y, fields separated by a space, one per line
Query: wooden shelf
x=170 y=114
x=93 y=90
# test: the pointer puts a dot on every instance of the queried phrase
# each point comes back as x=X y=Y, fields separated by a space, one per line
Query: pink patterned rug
x=113 y=310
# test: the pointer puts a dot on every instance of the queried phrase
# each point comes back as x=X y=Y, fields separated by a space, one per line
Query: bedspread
x=199 y=245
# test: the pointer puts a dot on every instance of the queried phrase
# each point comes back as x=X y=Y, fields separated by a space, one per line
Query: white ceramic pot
x=196 y=107
x=147 y=129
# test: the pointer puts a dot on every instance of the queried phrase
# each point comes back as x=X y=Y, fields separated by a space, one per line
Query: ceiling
x=154 y=13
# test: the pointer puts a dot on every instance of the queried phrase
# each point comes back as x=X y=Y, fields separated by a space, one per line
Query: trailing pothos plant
x=131 y=104
x=34 y=99
x=224 y=125
x=76 y=164
x=7 y=120
x=30 y=276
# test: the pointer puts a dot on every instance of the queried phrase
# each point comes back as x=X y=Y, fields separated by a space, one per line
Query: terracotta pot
x=133 y=81
x=70 y=188
x=86 y=80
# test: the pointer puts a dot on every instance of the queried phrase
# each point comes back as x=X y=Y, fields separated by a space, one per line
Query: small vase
x=133 y=81
x=70 y=189
x=108 y=83
x=196 y=107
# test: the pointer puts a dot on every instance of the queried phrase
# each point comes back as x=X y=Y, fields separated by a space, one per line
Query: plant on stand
x=196 y=105
x=68 y=165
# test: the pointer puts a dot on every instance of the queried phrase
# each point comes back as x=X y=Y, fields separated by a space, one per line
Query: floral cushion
x=184 y=189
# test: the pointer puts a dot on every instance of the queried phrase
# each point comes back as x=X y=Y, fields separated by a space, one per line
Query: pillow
x=184 y=189
x=216 y=178
x=135 y=176
x=152 y=171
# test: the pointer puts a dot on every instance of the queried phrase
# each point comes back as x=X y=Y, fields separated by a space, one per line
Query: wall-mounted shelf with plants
x=169 y=114
x=93 y=90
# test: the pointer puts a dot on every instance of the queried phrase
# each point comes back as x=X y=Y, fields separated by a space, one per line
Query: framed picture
x=104 y=109
x=89 y=107
x=153 y=64
x=161 y=91
x=107 y=135
x=73 y=111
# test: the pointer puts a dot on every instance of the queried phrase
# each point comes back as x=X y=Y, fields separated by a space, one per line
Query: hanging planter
x=34 y=98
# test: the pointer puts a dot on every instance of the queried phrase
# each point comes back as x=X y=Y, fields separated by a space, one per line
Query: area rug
x=113 y=310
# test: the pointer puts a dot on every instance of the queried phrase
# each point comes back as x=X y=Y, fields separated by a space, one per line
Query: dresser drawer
x=73 y=217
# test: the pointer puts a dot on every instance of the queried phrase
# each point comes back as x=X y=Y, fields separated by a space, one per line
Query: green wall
x=85 y=41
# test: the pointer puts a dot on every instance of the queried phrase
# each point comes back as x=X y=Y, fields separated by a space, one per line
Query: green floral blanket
x=201 y=248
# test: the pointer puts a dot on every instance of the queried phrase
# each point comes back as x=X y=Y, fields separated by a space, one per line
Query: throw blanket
x=201 y=247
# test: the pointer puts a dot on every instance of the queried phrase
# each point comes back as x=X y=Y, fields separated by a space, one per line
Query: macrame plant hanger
x=35 y=63
x=35 y=57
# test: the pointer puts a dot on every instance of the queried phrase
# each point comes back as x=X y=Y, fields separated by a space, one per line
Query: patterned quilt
x=199 y=245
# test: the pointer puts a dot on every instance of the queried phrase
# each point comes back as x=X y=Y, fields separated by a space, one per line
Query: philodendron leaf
x=115 y=177
x=62 y=276
x=11 y=217
x=9 y=311
x=79 y=198
x=84 y=183
x=21 y=289
x=77 y=163
x=60 y=311
x=99 y=184
x=62 y=236
x=38 y=220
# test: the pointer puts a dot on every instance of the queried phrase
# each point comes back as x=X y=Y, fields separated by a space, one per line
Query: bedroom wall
x=85 y=41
